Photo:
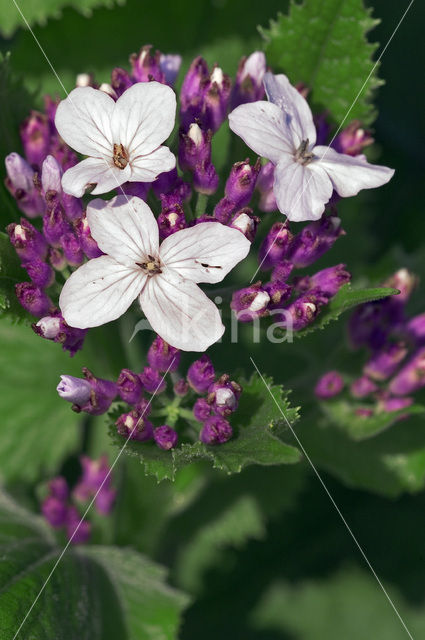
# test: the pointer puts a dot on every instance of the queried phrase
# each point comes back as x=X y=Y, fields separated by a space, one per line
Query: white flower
x=122 y=138
x=164 y=277
x=282 y=130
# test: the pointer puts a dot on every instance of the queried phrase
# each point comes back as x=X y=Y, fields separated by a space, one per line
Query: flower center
x=120 y=156
x=151 y=267
x=302 y=155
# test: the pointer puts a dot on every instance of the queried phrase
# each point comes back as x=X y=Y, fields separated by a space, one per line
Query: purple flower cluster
x=295 y=303
x=218 y=399
x=59 y=506
x=395 y=368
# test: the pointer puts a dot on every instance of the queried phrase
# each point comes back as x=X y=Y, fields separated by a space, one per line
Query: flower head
x=282 y=130
x=122 y=139
x=163 y=277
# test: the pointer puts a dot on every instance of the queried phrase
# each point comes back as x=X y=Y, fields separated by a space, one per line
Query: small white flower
x=163 y=277
x=122 y=139
x=282 y=130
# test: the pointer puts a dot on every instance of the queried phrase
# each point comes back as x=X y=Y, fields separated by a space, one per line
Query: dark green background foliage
x=244 y=542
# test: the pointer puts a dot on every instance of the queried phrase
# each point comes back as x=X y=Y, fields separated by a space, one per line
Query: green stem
x=201 y=204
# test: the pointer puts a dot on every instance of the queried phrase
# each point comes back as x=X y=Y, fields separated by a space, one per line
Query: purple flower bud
x=368 y=325
x=105 y=500
x=223 y=210
x=120 y=80
x=264 y=186
x=152 y=380
x=329 y=385
x=20 y=183
x=29 y=243
x=170 y=66
x=275 y=246
x=51 y=175
x=246 y=223
x=394 y=404
x=279 y=293
x=35 y=136
x=99 y=398
x=314 y=240
x=75 y=390
x=352 y=139
x=201 y=374
x=48 y=327
x=138 y=189
x=205 y=179
x=303 y=310
x=55 y=224
x=33 y=299
x=165 y=182
x=77 y=530
x=328 y=281
x=55 y=328
x=192 y=92
x=58 y=488
x=165 y=437
x=94 y=474
x=241 y=182
x=362 y=387
x=129 y=386
x=87 y=242
x=411 y=377
x=171 y=220
x=72 y=206
x=251 y=302
x=40 y=273
x=216 y=430
x=194 y=148
x=72 y=249
x=216 y=99
x=385 y=362
x=55 y=511
x=181 y=387
x=162 y=356
x=282 y=271
x=144 y=407
x=57 y=259
x=403 y=280
x=135 y=424
x=416 y=328
x=201 y=409
x=224 y=395
x=249 y=80
x=146 y=66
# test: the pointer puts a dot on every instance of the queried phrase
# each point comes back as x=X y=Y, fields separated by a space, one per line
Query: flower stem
x=201 y=205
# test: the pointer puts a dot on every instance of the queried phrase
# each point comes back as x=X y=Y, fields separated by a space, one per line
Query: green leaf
x=324 y=607
x=259 y=437
x=346 y=299
x=323 y=44
x=10 y=274
x=38 y=429
x=96 y=592
x=38 y=12
x=343 y=415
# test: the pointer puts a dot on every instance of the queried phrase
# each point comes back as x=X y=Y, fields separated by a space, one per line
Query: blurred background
x=265 y=554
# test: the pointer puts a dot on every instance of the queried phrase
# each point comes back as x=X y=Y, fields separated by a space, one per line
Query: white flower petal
x=350 y=174
x=205 y=252
x=261 y=125
x=180 y=312
x=298 y=116
x=83 y=120
x=301 y=191
x=99 y=291
x=143 y=117
x=147 y=168
x=124 y=228
x=91 y=171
